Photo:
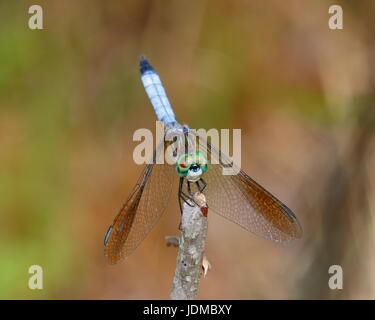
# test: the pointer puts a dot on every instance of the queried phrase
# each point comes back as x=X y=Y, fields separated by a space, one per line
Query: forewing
x=140 y=212
x=243 y=201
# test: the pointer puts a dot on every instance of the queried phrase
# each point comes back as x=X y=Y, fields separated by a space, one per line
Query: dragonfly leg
x=201 y=188
x=191 y=196
x=198 y=186
x=187 y=199
x=189 y=188
x=182 y=196
x=179 y=193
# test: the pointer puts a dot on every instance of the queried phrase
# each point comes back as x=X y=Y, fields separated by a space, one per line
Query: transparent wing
x=139 y=214
x=243 y=201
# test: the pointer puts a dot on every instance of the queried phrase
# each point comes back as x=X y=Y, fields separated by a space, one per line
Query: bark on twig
x=191 y=250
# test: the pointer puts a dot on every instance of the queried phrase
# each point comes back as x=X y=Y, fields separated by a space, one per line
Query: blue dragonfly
x=236 y=197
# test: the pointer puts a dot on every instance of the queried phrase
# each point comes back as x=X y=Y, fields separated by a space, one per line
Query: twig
x=191 y=250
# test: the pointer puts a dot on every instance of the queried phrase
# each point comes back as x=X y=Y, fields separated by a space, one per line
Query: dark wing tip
x=293 y=219
x=289 y=213
x=144 y=65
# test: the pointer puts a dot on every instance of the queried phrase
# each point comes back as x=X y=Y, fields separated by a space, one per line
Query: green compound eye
x=200 y=160
x=183 y=164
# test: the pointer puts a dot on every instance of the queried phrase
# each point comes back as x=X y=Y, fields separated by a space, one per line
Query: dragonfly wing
x=140 y=212
x=243 y=201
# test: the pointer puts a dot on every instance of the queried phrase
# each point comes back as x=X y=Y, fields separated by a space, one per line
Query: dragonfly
x=236 y=197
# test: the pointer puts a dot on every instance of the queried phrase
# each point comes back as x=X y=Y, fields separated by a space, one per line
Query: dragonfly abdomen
x=156 y=93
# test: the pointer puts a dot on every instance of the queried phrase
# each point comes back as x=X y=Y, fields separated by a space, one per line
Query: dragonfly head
x=191 y=166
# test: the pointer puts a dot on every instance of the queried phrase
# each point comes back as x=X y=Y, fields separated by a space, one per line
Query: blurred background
x=71 y=98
